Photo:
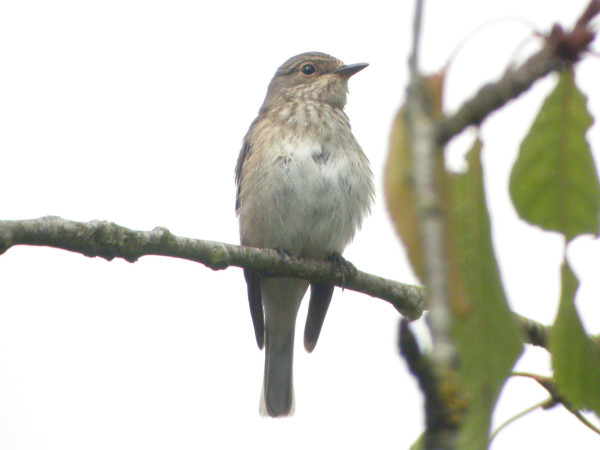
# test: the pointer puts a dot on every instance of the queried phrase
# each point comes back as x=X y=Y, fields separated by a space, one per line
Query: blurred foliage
x=575 y=357
x=554 y=185
x=484 y=329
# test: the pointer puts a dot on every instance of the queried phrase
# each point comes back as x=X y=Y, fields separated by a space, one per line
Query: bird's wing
x=244 y=153
x=256 y=306
x=320 y=298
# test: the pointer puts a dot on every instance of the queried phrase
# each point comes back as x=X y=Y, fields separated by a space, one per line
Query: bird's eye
x=308 y=69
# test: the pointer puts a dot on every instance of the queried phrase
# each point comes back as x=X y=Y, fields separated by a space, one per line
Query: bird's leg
x=342 y=264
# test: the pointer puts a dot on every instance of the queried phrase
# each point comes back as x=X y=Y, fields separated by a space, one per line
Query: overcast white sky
x=134 y=112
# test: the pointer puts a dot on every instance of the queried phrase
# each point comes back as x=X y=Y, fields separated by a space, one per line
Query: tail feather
x=277 y=399
x=281 y=299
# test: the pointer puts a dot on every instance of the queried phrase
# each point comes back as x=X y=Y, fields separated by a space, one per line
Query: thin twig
x=555 y=399
x=534 y=333
x=413 y=62
x=493 y=96
x=561 y=48
x=516 y=417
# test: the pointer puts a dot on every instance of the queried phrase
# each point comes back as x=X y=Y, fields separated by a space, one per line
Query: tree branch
x=537 y=334
x=420 y=126
x=533 y=332
x=109 y=240
x=560 y=48
x=438 y=415
x=442 y=416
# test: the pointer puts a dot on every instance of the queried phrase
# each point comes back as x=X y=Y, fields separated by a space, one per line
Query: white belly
x=310 y=201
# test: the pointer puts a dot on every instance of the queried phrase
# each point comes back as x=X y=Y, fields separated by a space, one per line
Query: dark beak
x=350 y=69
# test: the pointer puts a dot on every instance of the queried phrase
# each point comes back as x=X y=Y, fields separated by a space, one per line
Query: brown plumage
x=303 y=187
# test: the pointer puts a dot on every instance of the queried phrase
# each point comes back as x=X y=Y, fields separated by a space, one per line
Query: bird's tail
x=281 y=299
x=277 y=399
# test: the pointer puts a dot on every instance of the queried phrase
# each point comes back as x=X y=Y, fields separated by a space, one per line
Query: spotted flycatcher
x=303 y=187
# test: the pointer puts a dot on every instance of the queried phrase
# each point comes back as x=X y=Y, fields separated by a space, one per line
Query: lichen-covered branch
x=442 y=428
x=109 y=240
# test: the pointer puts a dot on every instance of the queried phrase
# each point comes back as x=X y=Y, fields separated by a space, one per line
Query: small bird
x=303 y=188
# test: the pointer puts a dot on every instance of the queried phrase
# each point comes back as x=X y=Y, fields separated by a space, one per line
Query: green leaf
x=487 y=338
x=575 y=357
x=419 y=444
x=554 y=183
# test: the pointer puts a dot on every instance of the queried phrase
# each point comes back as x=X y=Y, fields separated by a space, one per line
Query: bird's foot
x=343 y=265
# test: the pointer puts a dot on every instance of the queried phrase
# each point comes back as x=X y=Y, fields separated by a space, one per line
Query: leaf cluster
x=553 y=185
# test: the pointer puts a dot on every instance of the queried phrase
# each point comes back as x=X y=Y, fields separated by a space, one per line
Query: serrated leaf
x=554 y=183
x=486 y=335
x=575 y=358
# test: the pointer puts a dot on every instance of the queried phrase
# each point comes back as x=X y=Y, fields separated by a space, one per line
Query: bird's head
x=312 y=76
